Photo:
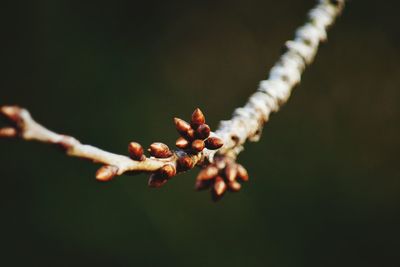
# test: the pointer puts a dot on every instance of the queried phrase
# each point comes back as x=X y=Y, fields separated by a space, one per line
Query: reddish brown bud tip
x=219 y=186
x=156 y=181
x=8 y=132
x=167 y=171
x=106 y=173
x=197 y=118
x=160 y=150
x=136 y=151
x=208 y=173
x=182 y=143
x=185 y=163
x=214 y=143
x=181 y=126
x=231 y=172
x=203 y=131
x=202 y=184
x=11 y=112
x=198 y=145
x=242 y=173
x=234 y=186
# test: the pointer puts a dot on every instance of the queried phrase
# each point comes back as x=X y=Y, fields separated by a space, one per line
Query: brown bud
x=12 y=112
x=185 y=163
x=181 y=126
x=160 y=150
x=219 y=186
x=182 y=143
x=156 y=181
x=106 y=173
x=198 y=145
x=190 y=134
x=136 y=151
x=231 y=172
x=234 y=186
x=8 y=132
x=202 y=184
x=208 y=173
x=167 y=171
x=197 y=118
x=214 y=143
x=203 y=131
x=242 y=173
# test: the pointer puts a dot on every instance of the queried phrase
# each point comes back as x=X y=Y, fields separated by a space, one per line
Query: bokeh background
x=325 y=177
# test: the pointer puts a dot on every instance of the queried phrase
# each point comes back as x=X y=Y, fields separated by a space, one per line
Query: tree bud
x=160 y=150
x=231 y=172
x=8 y=132
x=208 y=173
x=136 y=151
x=214 y=143
x=202 y=184
x=242 y=173
x=203 y=131
x=156 y=181
x=106 y=173
x=185 y=163
x=234 y=186
x=190 y=134
x=198 y=145
x=219 y=186
x=181 y=126
x=12 y=112
x=197 y=118
x=167 y=171
x=182 y=143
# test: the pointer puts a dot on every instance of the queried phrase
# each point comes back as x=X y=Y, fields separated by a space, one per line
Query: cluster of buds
x=222 y=175
x=12 y=114
x=195 y=136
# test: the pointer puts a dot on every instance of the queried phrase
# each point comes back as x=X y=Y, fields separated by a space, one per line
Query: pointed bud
x=203 y=131
x=214 y=143
x=242 y=173
x=181 y=126
x=208 y=173
x=136 y=151
x=167 y=171
x=8 y=132
x=219 y=186
x=11 y=112
x=106 y=173
x=202 y=184
x=198 y=145
x=197 y=118
x=185 y=163
x=234 y=186
x=182 y=143
x=231 y=172
x=156 y=181
x=160 y=150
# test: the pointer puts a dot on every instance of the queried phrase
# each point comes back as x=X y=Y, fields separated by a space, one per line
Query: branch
x=248 y=121
x=197 y=145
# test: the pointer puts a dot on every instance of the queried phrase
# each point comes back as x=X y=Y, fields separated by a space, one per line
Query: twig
x=198 y=146
x=248 y=121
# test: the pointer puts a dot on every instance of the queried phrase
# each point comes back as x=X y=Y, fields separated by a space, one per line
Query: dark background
x=325 y=177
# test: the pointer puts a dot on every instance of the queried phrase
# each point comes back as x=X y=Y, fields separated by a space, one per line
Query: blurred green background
x=325 y=177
